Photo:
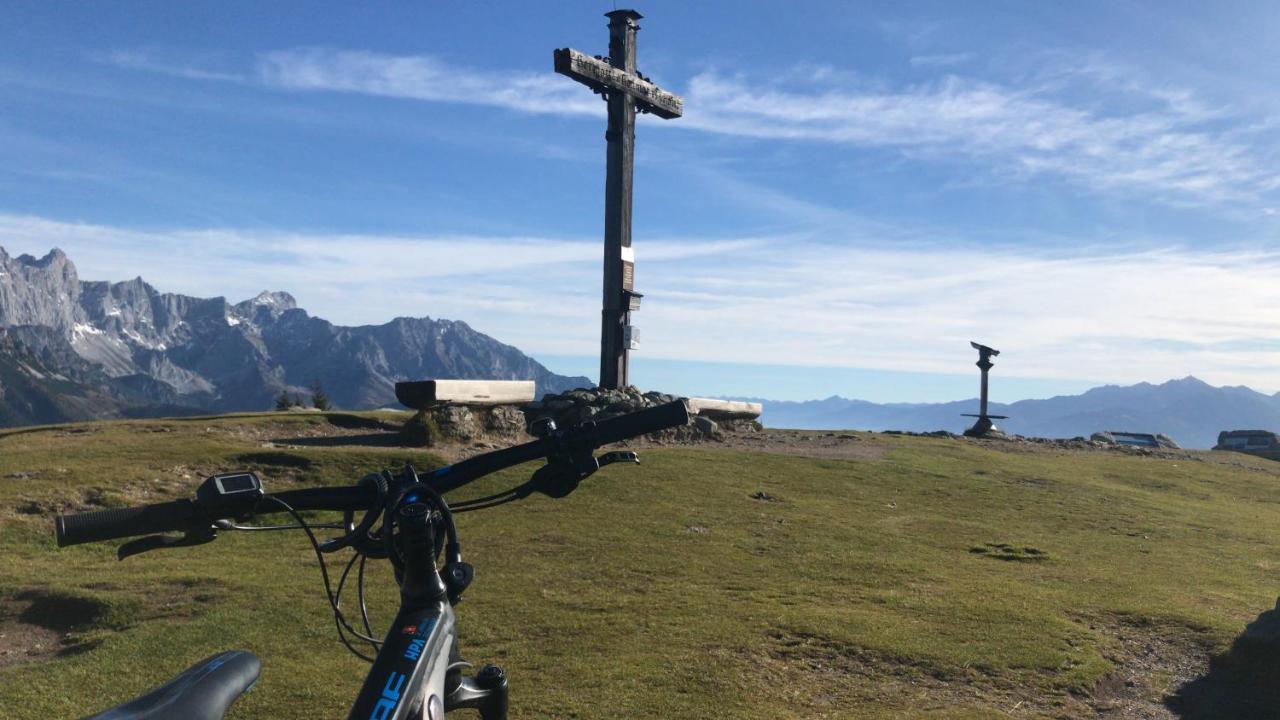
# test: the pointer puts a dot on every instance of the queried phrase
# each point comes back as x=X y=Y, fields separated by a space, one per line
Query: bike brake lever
x=558 y=478
x=161 y=542
x=610 y=458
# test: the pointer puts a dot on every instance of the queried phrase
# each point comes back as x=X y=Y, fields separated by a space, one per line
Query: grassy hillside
x=898 y=577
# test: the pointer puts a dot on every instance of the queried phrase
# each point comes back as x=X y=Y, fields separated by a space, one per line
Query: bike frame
x=417 y=673
x=412 y=665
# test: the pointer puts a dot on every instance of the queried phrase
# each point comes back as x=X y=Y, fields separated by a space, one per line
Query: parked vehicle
x=417 y=666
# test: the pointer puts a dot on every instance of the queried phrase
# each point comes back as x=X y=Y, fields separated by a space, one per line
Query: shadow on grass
x=60 y=612
x=383 y=439
x=275 y=459
x=1242 y=683
x=357 y=422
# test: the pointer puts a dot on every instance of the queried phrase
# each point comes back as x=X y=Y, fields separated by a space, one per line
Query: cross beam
x=627 y=92
x=603 y=78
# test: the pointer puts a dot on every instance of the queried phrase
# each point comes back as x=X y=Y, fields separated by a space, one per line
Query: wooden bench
x=420 y=394
x=724 y=409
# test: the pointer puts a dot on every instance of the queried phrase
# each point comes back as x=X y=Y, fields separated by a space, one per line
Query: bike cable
x=367 y=635
x=486 y=503
x=339 y=620
x=260 y=528
x=364 y=611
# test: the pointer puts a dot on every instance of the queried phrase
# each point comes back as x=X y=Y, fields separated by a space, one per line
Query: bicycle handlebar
x=183 y=515
x=641 y=422
x=125 y=522
x=594 y=435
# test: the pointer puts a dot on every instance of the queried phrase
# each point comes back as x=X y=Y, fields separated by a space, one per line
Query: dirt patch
x=1159 y=673
x=37 y=625
x=811 y=444
x=817 y=444
x=21 y=643
x=824 y=676
x=1152 y=662
x=804 y=443
x=75 y=430
x=289 y=429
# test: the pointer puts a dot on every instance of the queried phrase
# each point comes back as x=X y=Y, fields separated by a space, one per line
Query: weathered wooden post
x=984 y=427
x=627 y=92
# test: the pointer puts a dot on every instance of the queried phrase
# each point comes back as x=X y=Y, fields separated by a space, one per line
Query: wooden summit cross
x=627 y=92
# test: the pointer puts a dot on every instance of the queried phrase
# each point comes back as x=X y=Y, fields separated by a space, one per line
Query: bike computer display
x=237 y=483
x=228 y=489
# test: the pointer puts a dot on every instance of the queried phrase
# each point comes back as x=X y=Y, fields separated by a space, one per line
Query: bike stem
x=421 y=587
x=421 y=584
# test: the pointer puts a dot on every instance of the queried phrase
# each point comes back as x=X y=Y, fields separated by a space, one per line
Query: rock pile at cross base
x=578 y=406
x=567 y=409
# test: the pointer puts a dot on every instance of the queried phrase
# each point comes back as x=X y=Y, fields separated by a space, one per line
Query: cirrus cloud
x=1156 y=141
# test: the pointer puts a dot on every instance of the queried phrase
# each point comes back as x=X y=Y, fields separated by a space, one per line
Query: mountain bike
x=417 y=669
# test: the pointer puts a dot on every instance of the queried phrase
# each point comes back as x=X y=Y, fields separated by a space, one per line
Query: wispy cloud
x=1158 y=141
x=1066 y=315
x=943 y=59
x=1165 y=150
x=420 y=77
x=1121 y=316
x=149 y=62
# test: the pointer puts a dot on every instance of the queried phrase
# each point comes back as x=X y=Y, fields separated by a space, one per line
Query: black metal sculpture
x=984 y=427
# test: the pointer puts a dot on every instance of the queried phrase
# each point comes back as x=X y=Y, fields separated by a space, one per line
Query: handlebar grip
x=642 y=422
x=125 y=522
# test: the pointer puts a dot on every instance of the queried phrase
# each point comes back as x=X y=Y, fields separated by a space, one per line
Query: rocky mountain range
x=74 y=349
x=1189 y=410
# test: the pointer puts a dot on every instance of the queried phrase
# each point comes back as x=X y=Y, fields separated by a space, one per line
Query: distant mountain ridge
x=73 y=349
x=1189 y=410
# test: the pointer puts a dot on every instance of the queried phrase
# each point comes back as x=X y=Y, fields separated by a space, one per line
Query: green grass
x=941 y=579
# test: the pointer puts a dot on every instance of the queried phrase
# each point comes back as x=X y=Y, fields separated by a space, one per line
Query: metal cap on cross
x=627 y=92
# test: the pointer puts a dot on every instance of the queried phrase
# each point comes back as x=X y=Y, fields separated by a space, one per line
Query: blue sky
x=855 y=192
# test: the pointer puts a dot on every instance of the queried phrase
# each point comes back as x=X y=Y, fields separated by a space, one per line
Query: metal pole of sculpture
x=627 y=92
x=984 y=427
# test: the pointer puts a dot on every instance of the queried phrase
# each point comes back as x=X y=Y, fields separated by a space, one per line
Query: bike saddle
x=203 y=691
